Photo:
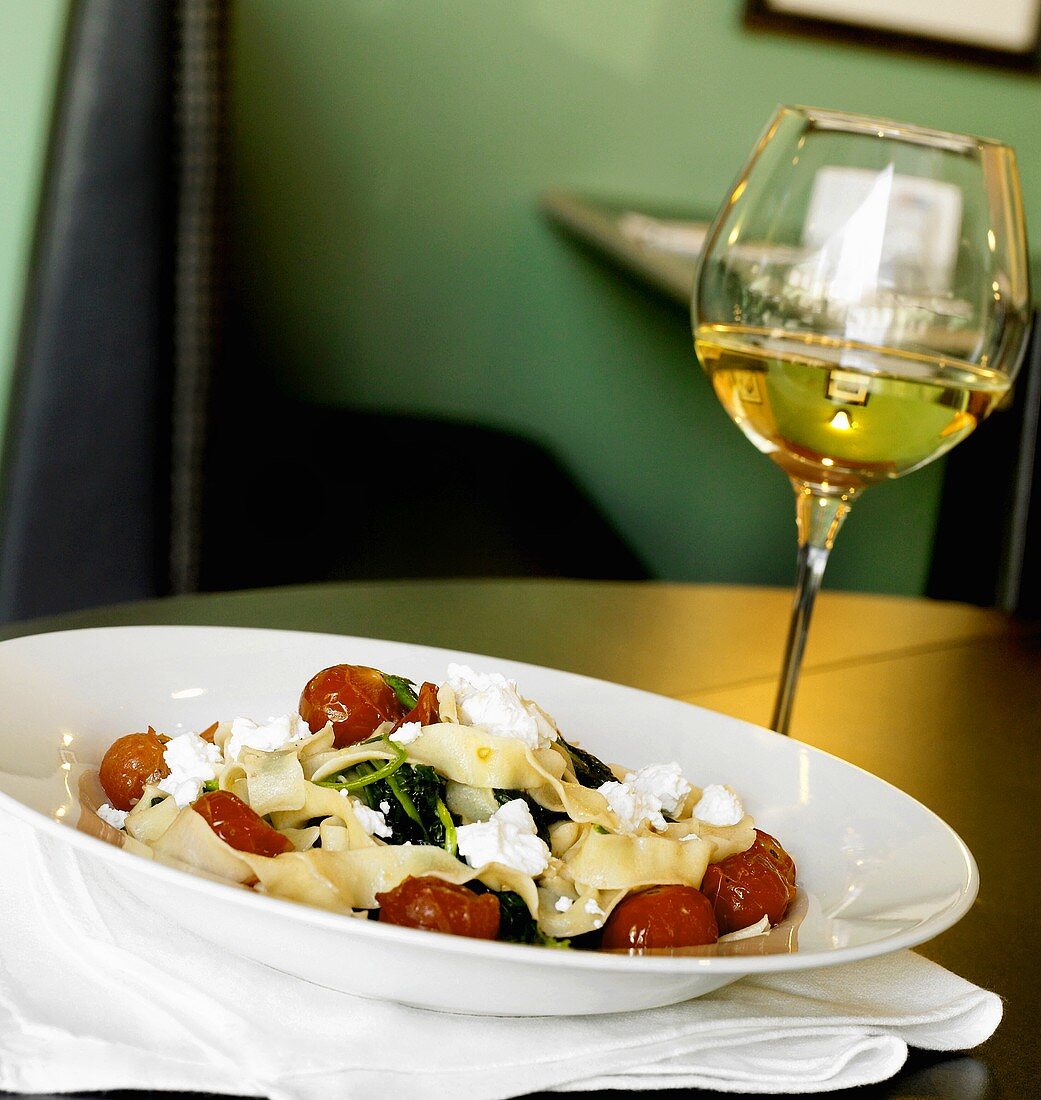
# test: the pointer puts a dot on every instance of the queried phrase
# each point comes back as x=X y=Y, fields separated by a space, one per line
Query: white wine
x=841 y=414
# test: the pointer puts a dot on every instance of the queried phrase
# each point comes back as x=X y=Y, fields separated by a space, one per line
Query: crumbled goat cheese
x=406 y=733
x=493 y=703
x=276 y=734
x=192 y=762
x=562 y=904
x=646 y=796
x=664 y=782
x=508 y=837
x=109 y=814
x=719 y=806
x=384 y=807
x=592 y=908
x=372 y=821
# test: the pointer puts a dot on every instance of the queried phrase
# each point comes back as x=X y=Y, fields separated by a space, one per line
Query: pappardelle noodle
x=456 y=807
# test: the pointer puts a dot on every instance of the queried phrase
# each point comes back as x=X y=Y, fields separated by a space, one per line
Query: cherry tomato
x=130 y=763
x=439 y=906
x=748 y=886
x=238 y=826
x=356 y=699
x=425 y=712
x=663 y=916
x=771 y=848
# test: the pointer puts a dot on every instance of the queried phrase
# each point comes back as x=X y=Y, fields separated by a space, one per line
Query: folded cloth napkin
x=97 y=991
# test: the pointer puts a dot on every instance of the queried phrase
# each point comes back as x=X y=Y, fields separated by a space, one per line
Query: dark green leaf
x=517 y=925
x=589 y=770
x=412 y=794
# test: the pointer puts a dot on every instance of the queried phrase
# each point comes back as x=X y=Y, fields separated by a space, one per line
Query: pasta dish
x=456 y=807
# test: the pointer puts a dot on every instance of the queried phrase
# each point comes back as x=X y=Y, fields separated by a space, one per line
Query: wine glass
x=861 y=304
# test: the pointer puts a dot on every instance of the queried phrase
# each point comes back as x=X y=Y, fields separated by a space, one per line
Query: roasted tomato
x=439 y=906
x=356 y=699
x=130 y=763
x=238 y=826
x=772 y=849
x=425 y=711
x=663 y=916
x=748 y=886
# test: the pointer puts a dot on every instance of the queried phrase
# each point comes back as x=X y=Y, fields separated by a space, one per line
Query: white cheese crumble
x=719 y=805
x=493 y=703
x=192 y=762
x=508 y=837
x=562 y=904
x=111 y=816
x=592 y=908
x=384 y=807
x=646 y=796
x=372 y=821
x=406 y=733
x=275 y=734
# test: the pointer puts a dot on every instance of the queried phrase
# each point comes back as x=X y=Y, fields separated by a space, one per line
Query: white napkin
x=97 y=991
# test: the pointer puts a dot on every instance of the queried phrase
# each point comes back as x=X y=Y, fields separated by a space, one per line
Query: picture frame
x=1005 y=33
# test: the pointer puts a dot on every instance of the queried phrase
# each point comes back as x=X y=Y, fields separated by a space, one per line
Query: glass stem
x=819 y=515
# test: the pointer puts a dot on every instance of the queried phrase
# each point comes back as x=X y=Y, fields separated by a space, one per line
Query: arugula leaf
x=413 y=793
x=404 y=689
x=590 y=771
x=516 y=924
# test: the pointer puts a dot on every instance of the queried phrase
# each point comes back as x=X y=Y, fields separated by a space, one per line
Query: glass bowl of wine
x=861 y=305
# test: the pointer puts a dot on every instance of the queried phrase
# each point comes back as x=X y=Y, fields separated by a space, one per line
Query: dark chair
x=119 y=480
x=86 y=465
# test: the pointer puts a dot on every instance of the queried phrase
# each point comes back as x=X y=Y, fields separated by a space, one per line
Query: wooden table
x=943 y=700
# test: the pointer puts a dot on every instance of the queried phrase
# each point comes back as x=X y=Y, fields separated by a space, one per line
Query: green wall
x=31 y=36
x=390 y=155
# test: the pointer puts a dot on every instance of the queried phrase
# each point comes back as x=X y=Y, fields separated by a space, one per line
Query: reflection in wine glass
x=861 y=305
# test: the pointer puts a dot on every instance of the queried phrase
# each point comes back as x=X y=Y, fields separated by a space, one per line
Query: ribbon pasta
x=309 y=792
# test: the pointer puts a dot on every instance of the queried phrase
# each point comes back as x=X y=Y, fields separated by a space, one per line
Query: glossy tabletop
x=943 y=700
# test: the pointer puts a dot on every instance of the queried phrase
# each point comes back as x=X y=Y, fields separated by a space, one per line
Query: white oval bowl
x=880 y=871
